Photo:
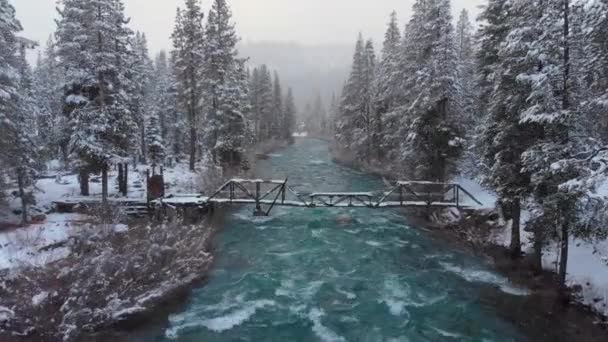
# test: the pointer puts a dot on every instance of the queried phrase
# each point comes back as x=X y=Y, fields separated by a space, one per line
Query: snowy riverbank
x=50 y=268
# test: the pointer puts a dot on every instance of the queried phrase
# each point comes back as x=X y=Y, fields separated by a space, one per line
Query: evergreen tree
x=225 y=88
x=505 y=138
x=262 y=102
x=48 y=98
x=387 y=87
x=433 y=124
x=17 y=143
x=289 y=121
x=277 y=107
x=142 y=101
x=154 y=140
x=465 y=52
x=593 y=60
x=493 y=30
x=355 y=122
x=93 y=49
x=188 y=62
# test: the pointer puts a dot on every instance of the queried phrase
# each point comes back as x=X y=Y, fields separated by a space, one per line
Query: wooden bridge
x=266 y=194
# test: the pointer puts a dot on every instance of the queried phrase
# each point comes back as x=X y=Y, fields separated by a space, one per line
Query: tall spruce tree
x=142 y=77
x=48 y=97
x=433 y=124
x=277 y=107
x=355 y=122
x=17 y=141
x=188 y=63
x=505 y=138
x=225 y=86
x=94 y=50
x=387 y=88
x=289 y=122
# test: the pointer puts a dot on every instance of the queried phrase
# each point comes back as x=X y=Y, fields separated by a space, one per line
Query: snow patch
x=40 y=298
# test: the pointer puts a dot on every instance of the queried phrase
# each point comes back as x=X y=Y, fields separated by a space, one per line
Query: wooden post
x=120 y=178
x=283 y=194
x=258 y=206
x=147 y=185
x=401 y=195
x=104 y=184
x=125 y=186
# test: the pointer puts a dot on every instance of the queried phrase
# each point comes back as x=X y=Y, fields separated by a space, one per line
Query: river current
x=338 y=274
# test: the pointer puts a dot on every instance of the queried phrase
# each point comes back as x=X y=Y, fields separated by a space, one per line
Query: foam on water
x=318 y=162
x=324 y=333
x=222 y=323
x=481 y=276
x=394 y=295
x=445 y=333
x=373 y=243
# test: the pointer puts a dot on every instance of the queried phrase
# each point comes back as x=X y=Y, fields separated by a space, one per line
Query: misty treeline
x=96 y=98
x=521 y=102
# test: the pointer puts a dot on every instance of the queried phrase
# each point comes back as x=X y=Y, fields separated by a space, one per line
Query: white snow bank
x=26 y=246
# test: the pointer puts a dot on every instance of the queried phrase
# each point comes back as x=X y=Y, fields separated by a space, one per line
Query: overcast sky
x=303 y=21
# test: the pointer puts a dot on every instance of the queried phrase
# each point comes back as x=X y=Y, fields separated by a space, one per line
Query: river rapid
x=338 y=274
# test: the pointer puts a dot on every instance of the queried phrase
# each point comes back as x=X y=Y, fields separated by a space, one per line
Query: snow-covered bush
x=111 y=276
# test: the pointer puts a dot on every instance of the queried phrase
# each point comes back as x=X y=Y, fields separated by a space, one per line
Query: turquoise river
x=338 y=274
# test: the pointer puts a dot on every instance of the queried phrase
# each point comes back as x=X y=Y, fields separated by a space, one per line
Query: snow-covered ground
x=28 y=246
x=587 y=261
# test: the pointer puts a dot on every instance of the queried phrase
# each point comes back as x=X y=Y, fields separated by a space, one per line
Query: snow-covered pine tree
x=560 y=180
x=188 y=62
x=354 y=125
x=142 y=101
x=48 y=97
x=171 y=121
x=93 y=49
x=493 y=30
x=433 y=125
x=261 y=95
x=154 y=140
x=277 y=107
x=224 y=86
x=316 y=118
x=387 y=91
x=17 y=141
x=594 y=61
x=289 y=121
x=505 y=138
x=465 y=52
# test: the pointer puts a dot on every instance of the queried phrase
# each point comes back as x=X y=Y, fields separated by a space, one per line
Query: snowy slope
x=587 y=261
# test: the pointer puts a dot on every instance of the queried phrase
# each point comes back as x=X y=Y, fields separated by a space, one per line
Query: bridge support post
x=258 y=207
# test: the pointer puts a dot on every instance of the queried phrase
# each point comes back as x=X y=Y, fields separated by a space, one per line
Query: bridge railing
x=403 y=194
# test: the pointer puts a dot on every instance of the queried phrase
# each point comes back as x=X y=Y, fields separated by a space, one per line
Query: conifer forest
x=445 y=182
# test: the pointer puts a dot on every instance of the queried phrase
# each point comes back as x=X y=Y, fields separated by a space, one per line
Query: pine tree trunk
x=125 y=184
x=144 y=148
x=563 y=259
x=515 y=209
x=22 y=195
x=104 y=184
x=192 y=148
x=121 y=176
x=537 y=260
x=83 y=178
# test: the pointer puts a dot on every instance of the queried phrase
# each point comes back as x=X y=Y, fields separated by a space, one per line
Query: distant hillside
x=308 y=69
